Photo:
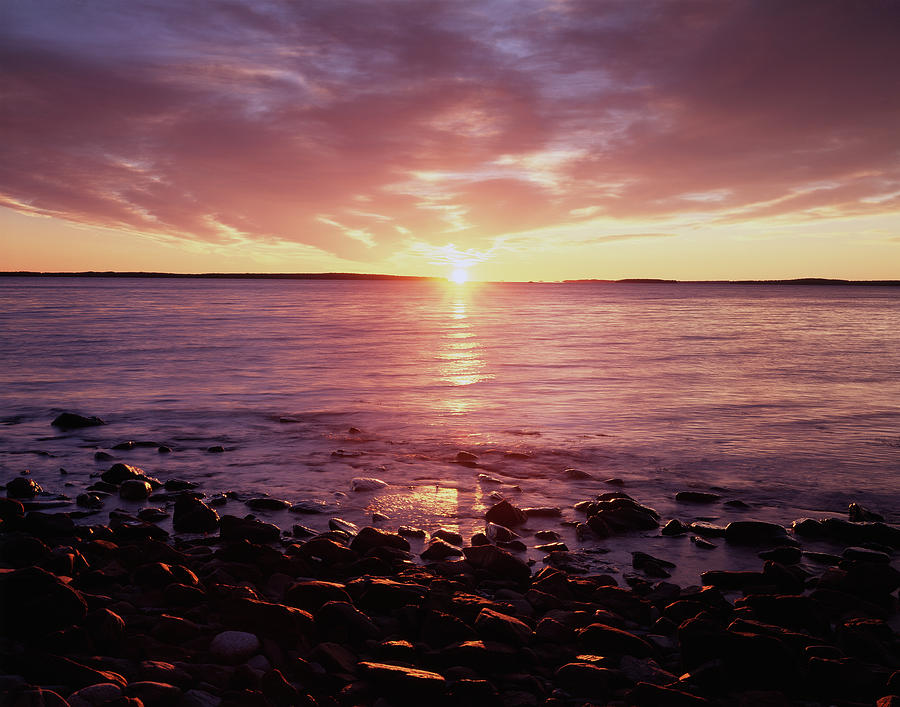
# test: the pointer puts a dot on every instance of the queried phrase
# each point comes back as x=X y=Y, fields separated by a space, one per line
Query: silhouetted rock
x=74 y=421
x=21 y=487
x=191 y=515
x=697 y=497
x=498 y=562
x=754 y=532
x=621 y=513
x=134 y=490
x=311 y=595
x=232 y=528
x=438 y=550
x=36 y=602
x=674 y=527
x=368 y=538
x=264 y=503
x=608 y=640
x=506 y=514
x=857 y=513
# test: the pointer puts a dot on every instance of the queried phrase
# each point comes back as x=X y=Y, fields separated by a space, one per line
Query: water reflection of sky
x=460 y=357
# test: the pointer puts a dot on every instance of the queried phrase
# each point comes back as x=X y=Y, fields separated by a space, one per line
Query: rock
x=36 y=603
x=232 y=528
x=343 y=623
x=543 y=512
x=651 y=566
x=163 y=449
x=343 y=526
x=267 y=619
x=697 y=497
x=410 y=682
x=118 y=473
x=233 y=647
x=584 y=679
x=12 y=513
x=191 y=515
x=807 y=528
x=152 y=693
x=702 y=542
x=506 y=514
x=857 y=513
x=134 y=490
x=754 y=532
x=327 y=551
x=494 y=626
x=450 y=536
x=95 y=694
x=488 y=479
x=785 y=554
x=547 y=535
x=152 y=515
x=646 y=694
x=366 y=483
x=175 y=485
x=381 y=595
x=265 y=503
x=89 y=499
x=608 y=640
x=622 y=513
x=309 y=506
x=369 y=538
x=103 y=457
x=466 y=457
x=498 y=533
x=552 y=547
x=864 y=554
x=216 y=449
x=311 y=595
x=74 y=421
x=724 y=579
x=106 y=628
x=408 y=531
x=21 y=487
x=707 y=530
x=438 y=550
x=498 y=562
x=22 y=550
x=577 y=474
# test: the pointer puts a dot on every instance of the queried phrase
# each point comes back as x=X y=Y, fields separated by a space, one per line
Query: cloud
x=353 y=127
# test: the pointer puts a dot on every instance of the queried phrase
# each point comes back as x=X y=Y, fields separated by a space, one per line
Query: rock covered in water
x=74 y=421
x=506 y=514
x=367 y=483
x=22 y=487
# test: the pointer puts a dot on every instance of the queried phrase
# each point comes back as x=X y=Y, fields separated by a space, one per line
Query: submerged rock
x=367 y=483
x=74 y=421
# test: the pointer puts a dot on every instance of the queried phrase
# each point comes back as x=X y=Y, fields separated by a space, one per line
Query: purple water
x=786 y=397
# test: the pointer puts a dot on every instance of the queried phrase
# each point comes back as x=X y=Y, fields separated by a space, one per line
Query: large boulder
x=192 y=515
x=36 y=602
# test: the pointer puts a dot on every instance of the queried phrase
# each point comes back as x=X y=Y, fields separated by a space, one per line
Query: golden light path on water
x=461 y=362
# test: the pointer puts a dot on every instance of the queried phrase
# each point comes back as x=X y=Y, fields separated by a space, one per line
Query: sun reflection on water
x=461 y=363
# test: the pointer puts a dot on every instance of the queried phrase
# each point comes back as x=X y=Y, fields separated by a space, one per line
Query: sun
x=459 y=275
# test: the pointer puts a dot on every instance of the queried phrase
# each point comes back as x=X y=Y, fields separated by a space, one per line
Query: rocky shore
x=231 y=610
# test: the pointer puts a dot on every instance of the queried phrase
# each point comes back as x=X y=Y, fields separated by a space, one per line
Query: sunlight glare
x=459 y=276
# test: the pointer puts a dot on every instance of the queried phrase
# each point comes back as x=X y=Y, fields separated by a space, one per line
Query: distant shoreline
x=817 y=281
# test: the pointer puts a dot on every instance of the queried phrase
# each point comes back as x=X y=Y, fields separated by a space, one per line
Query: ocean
x=786 y=397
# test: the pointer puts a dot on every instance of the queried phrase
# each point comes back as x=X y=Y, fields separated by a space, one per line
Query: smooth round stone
x=134 y=490
x=234 y=646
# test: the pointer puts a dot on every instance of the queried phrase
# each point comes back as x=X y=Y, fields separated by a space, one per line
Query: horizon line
x=381 y=276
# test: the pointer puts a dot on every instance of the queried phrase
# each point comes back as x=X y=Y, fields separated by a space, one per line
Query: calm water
x=785 y=397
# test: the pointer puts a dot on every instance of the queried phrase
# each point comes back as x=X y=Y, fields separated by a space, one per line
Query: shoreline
x=232 y=610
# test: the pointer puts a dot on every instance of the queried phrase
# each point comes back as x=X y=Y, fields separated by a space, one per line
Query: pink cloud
x=279 y=121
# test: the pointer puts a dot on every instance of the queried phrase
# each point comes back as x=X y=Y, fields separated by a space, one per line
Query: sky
x=513 y=139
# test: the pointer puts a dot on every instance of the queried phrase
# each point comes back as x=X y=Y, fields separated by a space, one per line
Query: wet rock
x=153 y=694
x=22 y=550
x=89 y=499
x=651 y=566
x=736 y=503
x=163 y=449
x=344 y=526
x=268 y=619
x=450 y=536
x=552 y=547
x=857 y=513
x=327 y=551
x=36 y=603
x=368 y=538
x=754 y=532
x=408 y=531
x=785 y=554
x=311 y=595
x=12 y=513
x=341 y=622
x=487 y=479
x=49 y=525
x=175 y=485
x=379 y=517
x=707 y=529
x=21 y=487
x=547 y=535
x=499 y=533
x=438 y=550
x=506 y=514
x=103 y=457
x=674 y=527
x=264 y=503
x=543 y=512
x=795 y=612
x=608 y=640
x=233 y=647
x=152 y=515
x=463 y=456
x=95 y=694
x=365 y=483
x=584 y=679
x=492 y=625
x=232 y=528
x=697 y=497
x=702 y=543
x=864 y=554
x=724 y=579
x=622 y=513
x=646 y=694
x=216 y=449
x=396 y=679
x=106 y=628
x=807 y=528
x=191 y=515
x=134 y=490
x=74 y=421
x=577 y=474
x=498 y=562
x=309 y=506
